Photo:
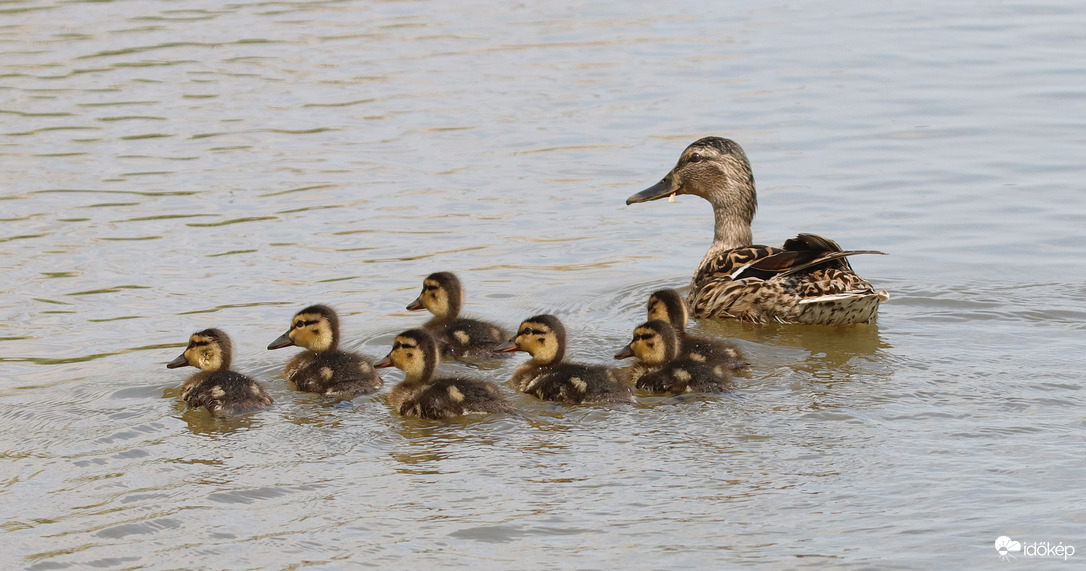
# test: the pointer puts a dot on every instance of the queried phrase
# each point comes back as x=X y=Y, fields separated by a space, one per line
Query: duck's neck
x=425 y=376
x=549 y=355
x=733 y=219
x=446 y=312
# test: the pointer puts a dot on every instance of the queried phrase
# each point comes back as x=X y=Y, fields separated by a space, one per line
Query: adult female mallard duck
x=457 y=336
x=668 y=305
x=809 y=280
x=324 y=368
x=662 y=370
x=216 y=387
x=545 y=376
x=415 y=353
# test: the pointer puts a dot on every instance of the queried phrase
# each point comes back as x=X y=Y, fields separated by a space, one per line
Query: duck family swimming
x=808 y=280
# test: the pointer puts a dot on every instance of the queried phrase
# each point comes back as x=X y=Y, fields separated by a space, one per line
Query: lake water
x=169 y=167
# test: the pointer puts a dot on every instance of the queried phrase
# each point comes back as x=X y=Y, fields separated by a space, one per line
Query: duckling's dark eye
x=299 y=324
x=694 y=158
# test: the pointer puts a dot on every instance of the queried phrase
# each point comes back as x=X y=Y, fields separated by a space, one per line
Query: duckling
x=668 y=305
x=808 y=280
x=459 y=337
x=661 y=370
x=415 y=352
x=324 y=368
x=216 y=387
x=545 y=376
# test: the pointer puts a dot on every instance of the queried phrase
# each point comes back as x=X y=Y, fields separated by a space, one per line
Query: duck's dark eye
x=299 y=324
x=695 y=158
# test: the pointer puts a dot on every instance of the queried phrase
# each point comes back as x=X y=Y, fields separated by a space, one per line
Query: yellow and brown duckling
x=808 y=280
x=545 y=376
x=216 y=387
x=668 y=305
x=415 y=352
x=459 y=337
x=660 y=368
x=324 y=368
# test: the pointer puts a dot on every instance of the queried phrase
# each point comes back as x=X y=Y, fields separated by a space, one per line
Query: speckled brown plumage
x=808 y=280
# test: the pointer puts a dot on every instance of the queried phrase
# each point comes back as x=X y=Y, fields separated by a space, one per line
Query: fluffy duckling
x=456 y=336
x=216 y=387
x=667 y=305
x=545 y=375
x=660 y=368
x=808 y=280
x=415 y=352
x=324 y=368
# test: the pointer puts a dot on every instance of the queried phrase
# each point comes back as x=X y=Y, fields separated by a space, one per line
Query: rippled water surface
x=169 y=167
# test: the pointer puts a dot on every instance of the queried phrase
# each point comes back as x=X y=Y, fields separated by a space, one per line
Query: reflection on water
x=168 y=170
x=201 y=422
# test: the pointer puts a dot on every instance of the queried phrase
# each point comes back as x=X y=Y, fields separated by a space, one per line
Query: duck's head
x=713 y=168
x=315 y=328
x=654 y=343
x=667 y=305
x=415 y=353
x=208 y=350
x=441 y=295
x=542 y=336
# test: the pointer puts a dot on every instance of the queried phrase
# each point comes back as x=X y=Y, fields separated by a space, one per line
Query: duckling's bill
x=507 y=347
x=283 y=340
x=180 y=361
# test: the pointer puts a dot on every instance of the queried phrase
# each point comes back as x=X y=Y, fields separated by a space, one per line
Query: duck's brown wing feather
x=775 y=285
x=805 y=252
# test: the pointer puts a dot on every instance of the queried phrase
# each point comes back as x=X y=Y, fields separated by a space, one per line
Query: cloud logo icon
x=1004 y=545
